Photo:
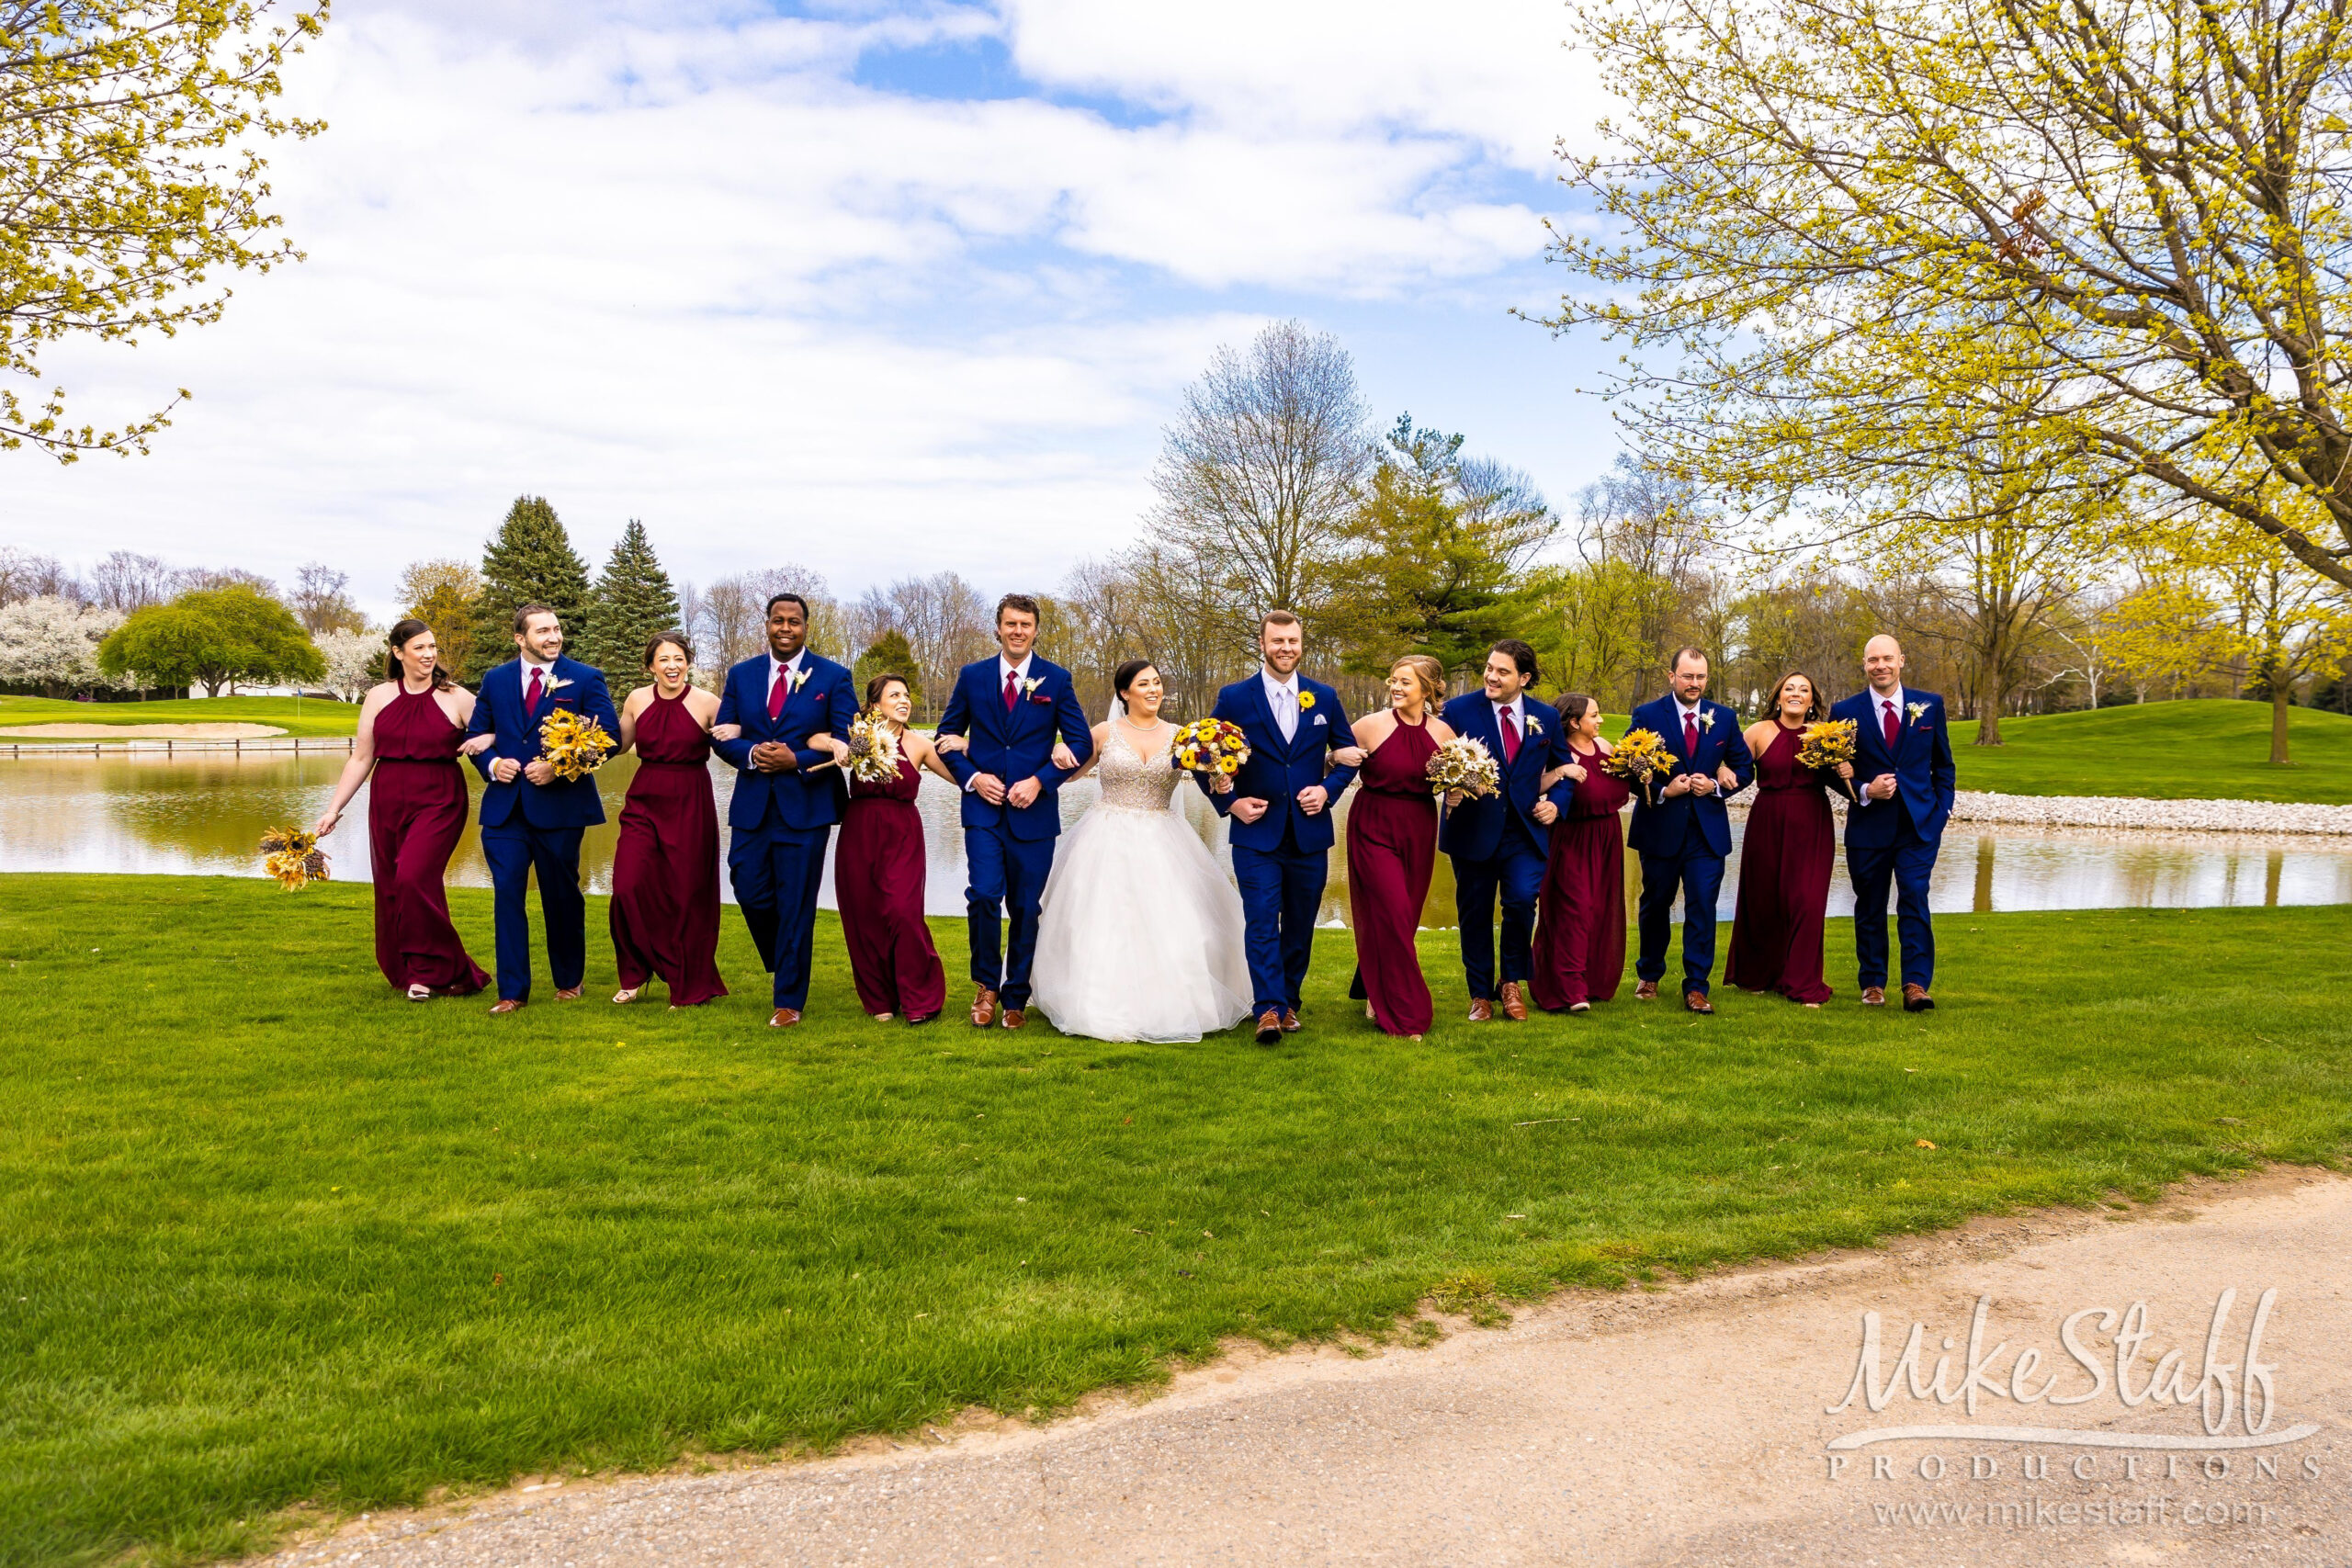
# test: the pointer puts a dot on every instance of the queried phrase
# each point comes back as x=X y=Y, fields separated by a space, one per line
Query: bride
x=1140 y=933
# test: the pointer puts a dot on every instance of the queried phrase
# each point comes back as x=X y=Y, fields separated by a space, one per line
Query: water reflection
x=202 y=814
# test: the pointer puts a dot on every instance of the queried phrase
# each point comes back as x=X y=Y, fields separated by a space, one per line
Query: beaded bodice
x=1133 y=782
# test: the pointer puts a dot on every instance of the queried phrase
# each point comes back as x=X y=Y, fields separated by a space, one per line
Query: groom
x=529 y=817
x=1280 y=806
x=1903 y=780
x=1010 y=710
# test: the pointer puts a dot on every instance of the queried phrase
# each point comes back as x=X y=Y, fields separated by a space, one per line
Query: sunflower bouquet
x=1208 y=746
x=872 y=748
x=1464 y=764
x=293 y=857
x=1826 y=744
x=1639 y=758
x=573 y=745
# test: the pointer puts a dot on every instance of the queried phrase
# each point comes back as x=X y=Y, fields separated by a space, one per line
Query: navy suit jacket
x=573 y=687
x=1015 y=744
x=1474 y=830
x=823 y=704
x=1660 y=830
x=1278 y=769
x=1921 y=762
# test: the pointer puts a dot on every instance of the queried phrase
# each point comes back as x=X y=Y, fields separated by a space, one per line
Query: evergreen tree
x=634 y=600
x=530 y=561
x=890 y=654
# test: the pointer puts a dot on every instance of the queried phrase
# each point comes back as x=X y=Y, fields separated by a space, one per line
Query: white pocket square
x=1320 y=719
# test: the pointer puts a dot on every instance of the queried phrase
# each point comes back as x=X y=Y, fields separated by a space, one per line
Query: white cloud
x=680 y=265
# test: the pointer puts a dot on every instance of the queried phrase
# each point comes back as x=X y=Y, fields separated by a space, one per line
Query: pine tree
x=634 y=600
x=530 y=561
x=889 y=655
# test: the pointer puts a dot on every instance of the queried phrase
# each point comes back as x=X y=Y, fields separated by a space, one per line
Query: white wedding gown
x=1140 y=934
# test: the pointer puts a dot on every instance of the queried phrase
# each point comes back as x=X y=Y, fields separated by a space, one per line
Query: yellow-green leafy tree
x=1821 y=221
x=129 y=184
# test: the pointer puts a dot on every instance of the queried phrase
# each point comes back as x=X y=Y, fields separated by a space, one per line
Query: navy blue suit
x=1283 y=860
x=1497 y=844
x=1684 y=839
x=526 y=825
x=1009 y=849
x=1895 y=840
x=779 y=824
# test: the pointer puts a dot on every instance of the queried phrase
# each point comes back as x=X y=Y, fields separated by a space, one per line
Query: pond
x=201 y=814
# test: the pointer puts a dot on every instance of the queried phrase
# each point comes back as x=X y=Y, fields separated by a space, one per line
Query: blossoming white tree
x=51 y=644
x=354 y=661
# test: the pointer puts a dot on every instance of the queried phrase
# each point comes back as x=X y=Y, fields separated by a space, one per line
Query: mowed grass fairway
x=2205 y=748
x=296 y=716
x=271 y=1237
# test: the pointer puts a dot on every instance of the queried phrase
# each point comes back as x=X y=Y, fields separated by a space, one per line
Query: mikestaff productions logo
x=2172 y=1437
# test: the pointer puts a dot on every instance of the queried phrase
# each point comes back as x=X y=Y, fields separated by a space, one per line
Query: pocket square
x=1320 y=719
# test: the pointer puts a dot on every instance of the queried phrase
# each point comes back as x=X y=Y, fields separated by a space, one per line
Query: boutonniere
x=1029 y=687
x=799 y=678
x=1534 y=725
x=558 y=685
x=1707 y=720
x=1305 y=701
x=1916 y=710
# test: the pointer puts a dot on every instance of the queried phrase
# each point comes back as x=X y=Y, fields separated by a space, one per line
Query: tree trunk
x=1990 y=696
x=2280 y=691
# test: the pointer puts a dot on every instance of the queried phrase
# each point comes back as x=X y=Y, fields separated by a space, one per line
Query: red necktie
x=780 y=691
x=531 y=697
x=1892 y=726
x=1691 y=737
x=1011 y=690
x=1511 y=738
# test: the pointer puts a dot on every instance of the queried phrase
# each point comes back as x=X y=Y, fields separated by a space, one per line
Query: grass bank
x=272 y=1237
x=295 y=716
x=2205 y=748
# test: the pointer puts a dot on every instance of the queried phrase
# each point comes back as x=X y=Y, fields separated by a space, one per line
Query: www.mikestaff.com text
x=2036 y=1513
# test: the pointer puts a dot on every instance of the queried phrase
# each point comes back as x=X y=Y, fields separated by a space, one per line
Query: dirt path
x=1680 y=1425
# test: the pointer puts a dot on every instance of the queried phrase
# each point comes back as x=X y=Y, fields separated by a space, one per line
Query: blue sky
x=876 y=288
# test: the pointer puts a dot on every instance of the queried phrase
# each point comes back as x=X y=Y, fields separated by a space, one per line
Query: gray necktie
x=1286 y=713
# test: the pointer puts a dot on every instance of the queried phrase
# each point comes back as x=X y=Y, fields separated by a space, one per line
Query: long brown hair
x=1812 y=706
x=405 y=631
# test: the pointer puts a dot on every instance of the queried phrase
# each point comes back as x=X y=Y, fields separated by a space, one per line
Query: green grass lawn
x=296 y=716
x=2208 y=749
x=272 y=1238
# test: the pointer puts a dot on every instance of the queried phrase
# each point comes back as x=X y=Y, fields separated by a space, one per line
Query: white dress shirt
x=1878 y=724
x=1004 y=667
x=1282 y=697
x=776 y=666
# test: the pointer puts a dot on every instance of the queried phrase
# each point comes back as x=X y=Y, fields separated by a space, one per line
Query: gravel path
x=1686 y=1425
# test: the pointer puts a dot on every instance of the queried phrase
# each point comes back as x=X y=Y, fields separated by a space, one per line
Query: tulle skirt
x=1140 y=933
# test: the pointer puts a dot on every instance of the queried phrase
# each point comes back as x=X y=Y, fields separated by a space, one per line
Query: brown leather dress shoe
x=1270 y=1028
x=1916 y=998
x=1873 y=996
x=1697 y=1002
x=1646 y=991
x=1290 y=1022
x=506 y=1004
x=983 y=1008
x=1481 y=1011
x=785 y=1017
x=571 y=995
x=1015 y=1017
x=1514 y=1003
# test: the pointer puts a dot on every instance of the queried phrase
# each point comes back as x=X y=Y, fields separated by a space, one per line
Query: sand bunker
x=138 y=731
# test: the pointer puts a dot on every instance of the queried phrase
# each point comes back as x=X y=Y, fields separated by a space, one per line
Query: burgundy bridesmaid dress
x=665 y=868
x=1784 y=865
x=1391 y=848
x=416 y=813
x=1579 y=952
x=879 y=871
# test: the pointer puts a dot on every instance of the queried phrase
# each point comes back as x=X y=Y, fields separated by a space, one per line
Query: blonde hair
x=1427 y=671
